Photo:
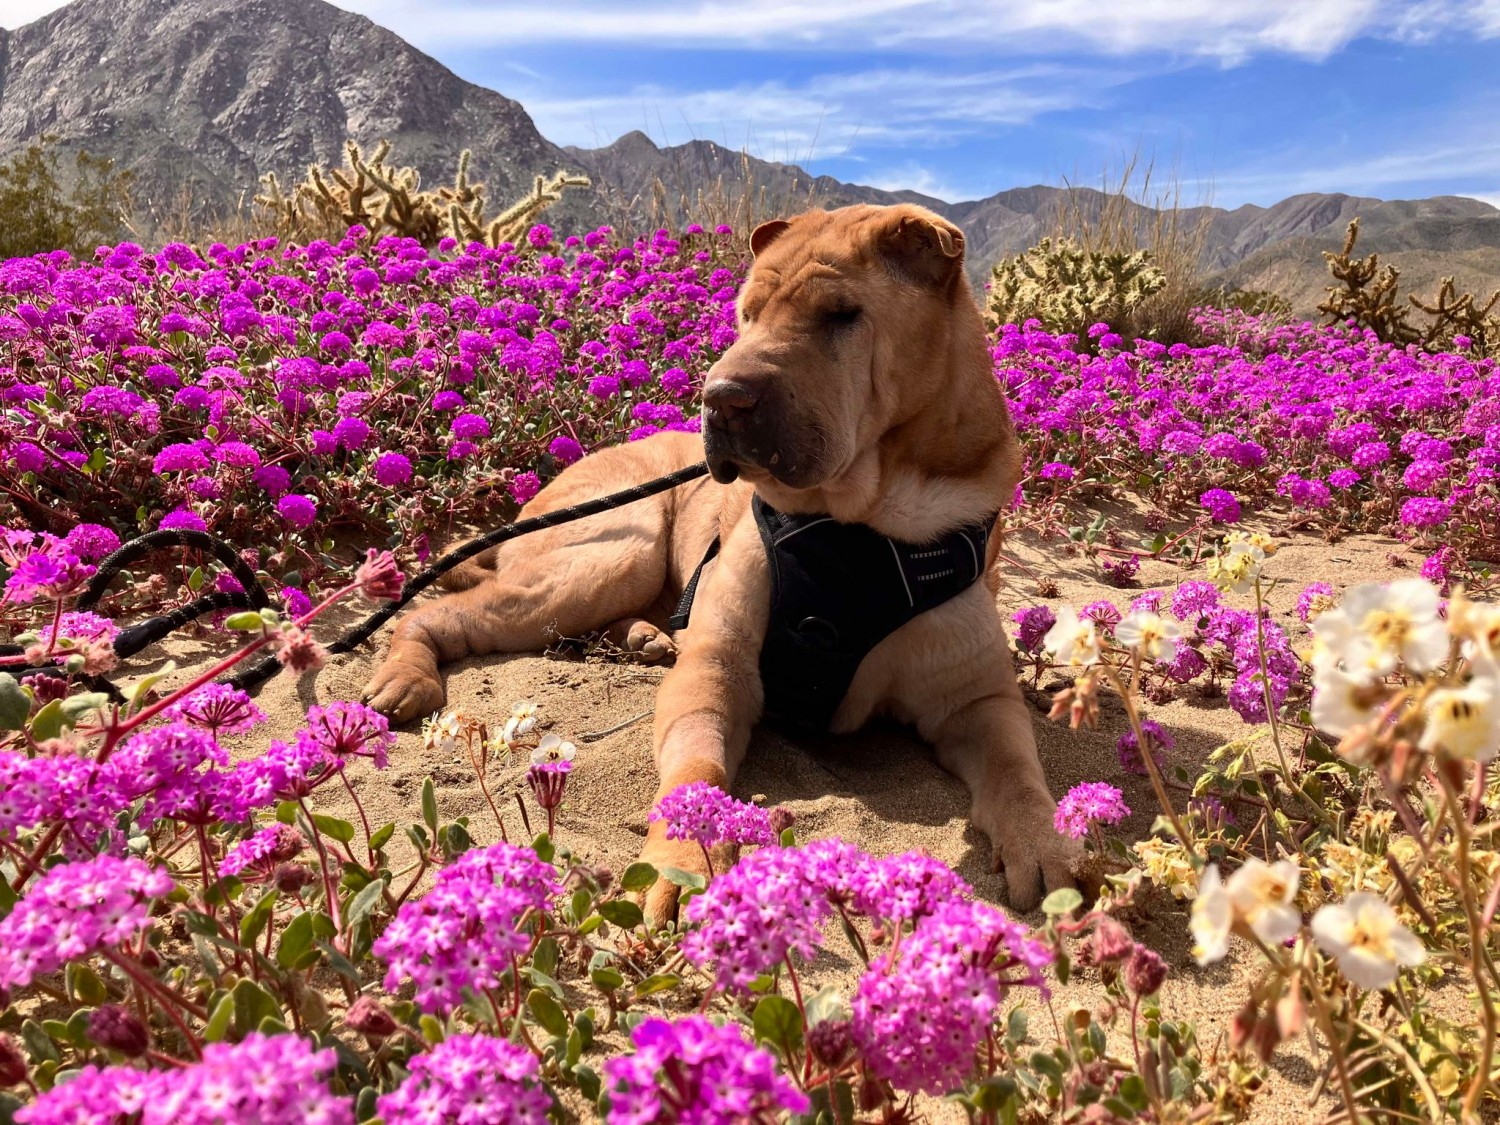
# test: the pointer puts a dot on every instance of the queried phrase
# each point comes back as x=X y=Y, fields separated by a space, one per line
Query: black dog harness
x=837 y=591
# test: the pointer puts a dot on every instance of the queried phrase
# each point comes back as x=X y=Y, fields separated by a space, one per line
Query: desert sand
x=880 y=789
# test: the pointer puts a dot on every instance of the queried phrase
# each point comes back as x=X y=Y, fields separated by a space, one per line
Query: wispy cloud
x=1227 y=31
x=826 y=115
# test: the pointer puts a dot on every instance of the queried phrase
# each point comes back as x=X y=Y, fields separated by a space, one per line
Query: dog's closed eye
x=841 y=316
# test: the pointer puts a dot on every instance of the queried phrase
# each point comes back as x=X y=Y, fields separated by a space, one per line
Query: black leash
x=133 y=639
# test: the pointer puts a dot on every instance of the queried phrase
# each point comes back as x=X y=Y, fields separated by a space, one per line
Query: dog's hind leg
x=640 y=637
x=575 y=580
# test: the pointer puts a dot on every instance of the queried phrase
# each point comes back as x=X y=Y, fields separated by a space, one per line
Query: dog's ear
x=923 y=248
x=767 y=233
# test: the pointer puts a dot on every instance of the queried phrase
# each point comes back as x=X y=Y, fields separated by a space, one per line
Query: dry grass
x=1138 y=209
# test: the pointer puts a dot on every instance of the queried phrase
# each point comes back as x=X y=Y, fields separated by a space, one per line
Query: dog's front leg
x=988 y=744
x=710 y=700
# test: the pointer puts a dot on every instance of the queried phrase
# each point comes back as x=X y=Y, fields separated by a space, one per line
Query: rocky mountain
x=198 y=97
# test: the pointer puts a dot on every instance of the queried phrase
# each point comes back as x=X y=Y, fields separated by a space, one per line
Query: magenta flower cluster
x=268 y=388
x=74 y=910
x=694 y=1071
x=470 y=1078
x=1088 y=804
x=462 y=935
x=268 y=1079
x=707 y=815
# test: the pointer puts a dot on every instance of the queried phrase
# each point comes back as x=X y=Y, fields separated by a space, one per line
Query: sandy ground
x=880 y=789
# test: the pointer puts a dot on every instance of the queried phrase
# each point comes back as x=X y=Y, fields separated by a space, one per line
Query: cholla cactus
x=1069 y=288
x=1365 y=293
x=388 y=199
x=1460 y=314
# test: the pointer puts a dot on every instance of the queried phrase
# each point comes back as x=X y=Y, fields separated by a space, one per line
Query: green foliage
x=388 y=199
x=1069 y=288
x=41 y=209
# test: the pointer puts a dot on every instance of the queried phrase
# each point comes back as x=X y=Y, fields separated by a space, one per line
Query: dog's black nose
x=729 y=403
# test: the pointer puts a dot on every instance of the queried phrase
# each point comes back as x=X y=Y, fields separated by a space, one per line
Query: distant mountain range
x=205 y=95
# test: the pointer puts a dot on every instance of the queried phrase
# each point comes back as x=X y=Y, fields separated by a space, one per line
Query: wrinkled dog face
x=830 y=293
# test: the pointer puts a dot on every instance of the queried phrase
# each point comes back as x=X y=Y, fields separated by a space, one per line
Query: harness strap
x=679 y=619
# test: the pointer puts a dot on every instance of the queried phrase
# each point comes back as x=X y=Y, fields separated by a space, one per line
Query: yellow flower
x=1167 y=865
x=1367 y=940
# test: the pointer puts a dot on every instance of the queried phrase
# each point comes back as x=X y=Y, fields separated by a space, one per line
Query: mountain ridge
x=208 y=94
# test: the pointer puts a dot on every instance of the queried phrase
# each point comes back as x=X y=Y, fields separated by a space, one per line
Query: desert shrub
x=1070 y=289
x=41 y=209
x=1261 y=303
x=386 y=199
x=1369 y=297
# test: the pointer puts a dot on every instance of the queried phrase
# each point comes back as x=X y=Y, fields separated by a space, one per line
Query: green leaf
x=544 y=847
x=579 y=904
x=48 y=722
x=545 y=958
x=588 y=1081
x=76 y=708
x=340 y=830
x=622 y=912
x=778 y=1022
x=456 y=840
x=382 y=836
x=195 y=580
x=286 y=812
x=217 y=1027
x=254 y=922
x=295 y=950
x=136 y=693
x=252 y=1003
x=8 y=897
x=1133 y=1092
x=638 y=877
x=15 y=704
x=660 y=982
x=85 y=984
x=547 y=1011
x=607 y=979
x=432 y=1031
x=362 y=904
x=1016 y=1025
x=97 y=461
x=200 y=923
x=338 y=962
x=246 y=621
x=1064 y=900
x=429 y=805
x=38 y=1043
x=684 y=879
x=364 y=1105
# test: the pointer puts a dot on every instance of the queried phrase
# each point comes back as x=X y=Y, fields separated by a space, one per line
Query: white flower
x=553 y=749
x=1072 y=640
x=1478 y=623
x=1149 y=632
x=1465 y=722
x=1341 y=702
x=441 y=731
x=521 y=722
x=1263 y=895
x=1364 y=936
x=1376 y=627
x=1212 y=918
x=1238 y=568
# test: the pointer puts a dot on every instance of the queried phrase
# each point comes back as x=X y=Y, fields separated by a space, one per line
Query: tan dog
x=860 y=387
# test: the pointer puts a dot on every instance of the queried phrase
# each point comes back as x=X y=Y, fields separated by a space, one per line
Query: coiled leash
x=134 y=638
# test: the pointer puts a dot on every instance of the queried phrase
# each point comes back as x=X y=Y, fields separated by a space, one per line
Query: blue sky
x=1243 y=101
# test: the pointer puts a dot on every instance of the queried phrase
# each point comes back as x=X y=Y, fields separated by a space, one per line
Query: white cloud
x=18 y=13
x=1228 y=31
x=826 y=114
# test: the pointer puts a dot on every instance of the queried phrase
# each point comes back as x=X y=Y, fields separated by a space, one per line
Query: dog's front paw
x=1034 y=856
x=659 y=902
x=402 y=693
